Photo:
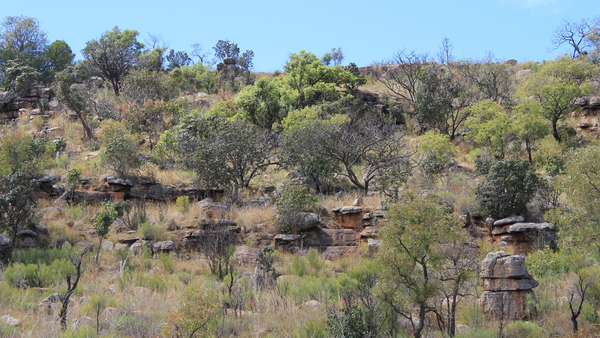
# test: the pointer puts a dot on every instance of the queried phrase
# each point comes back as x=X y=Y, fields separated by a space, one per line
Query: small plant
x=152 y=232
x=299 y=266
x=167 y=262
x=182 y=204
x=59 y=145
x=314 y=261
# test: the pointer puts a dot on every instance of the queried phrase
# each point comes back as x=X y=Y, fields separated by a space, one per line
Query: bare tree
x=76 y=259
x=217 y=247
x=401 y=74
x=576 y=34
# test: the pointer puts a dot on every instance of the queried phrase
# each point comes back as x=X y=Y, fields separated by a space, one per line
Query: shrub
x=167 y=262
x=522 y=329
x=293 y=200
x=38 y=275
x=196 y=314
x=152 y=232
x=182 y=204
x=299 y=266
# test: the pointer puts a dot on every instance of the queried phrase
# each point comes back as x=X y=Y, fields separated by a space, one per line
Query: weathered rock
x=260 y=238
x=307 y=220
x=509 y=304
x=509 y=220
x=84 y=321
x=370 y=232
x=85 y=246
x=491 y=284
x=108 y=246
x=500 y=264
x=286 y=237
x=172 y=225
x=330 y=237
x=11 y=321
x=128 y=240
x=246 y=256
x=164 y=246
x=136 y=248
x=336 y=252
x=267 y=189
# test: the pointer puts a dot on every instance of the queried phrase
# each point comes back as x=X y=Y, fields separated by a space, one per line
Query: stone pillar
x=507 y=286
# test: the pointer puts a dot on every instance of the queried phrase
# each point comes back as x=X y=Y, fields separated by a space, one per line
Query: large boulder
x=507 y=286
x=307 y=220
x=246 y=256
x=330 y=237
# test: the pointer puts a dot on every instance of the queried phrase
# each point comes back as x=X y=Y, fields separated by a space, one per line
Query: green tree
x=113 y=55
x=22 y=154
x=307 y=81
x=556 y=85
x=195 y=315
x=261 y=104
x=57 y=56
x=412 y=253
x=120 y=149
x=528 y=125
x=489 y=124
x=104 y=219
x=222 y=153
x=509 y=185
x=75 y=91
x=18 y=204
x=436 y=153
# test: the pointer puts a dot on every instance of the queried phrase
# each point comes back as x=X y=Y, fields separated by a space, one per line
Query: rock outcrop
x=514 y=234
x=507 y=286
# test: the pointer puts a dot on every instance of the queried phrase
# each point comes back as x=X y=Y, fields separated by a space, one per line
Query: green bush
x=152 y=232
x=293 y=200
x=314 y=261
x=38 y=275
x=167 y=262
x=182 y=204
x=299 y=266
x=522 y=329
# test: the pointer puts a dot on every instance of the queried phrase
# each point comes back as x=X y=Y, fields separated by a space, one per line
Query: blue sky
x=367 y=31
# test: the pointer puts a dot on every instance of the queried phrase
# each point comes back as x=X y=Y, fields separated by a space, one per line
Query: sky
x=366 y=31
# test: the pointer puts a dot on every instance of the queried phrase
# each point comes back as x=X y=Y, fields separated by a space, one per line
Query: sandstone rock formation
x=507 y=286
x=523 y=237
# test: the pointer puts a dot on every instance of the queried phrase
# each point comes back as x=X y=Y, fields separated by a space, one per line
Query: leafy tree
x=436 y=153
x=529 y=125
x=57 y=56
x=142 y=85
x=22 y=154
x=18 y=204
x=509 y=185
x=113 y=55
x=224 y=154
x=197 y=311
x=260 y=103
x=336 y=56
x=75 y=90
x=178 y=59
x=195 y=77
x=556 y=85
x=489 y=125
x=307 y=81
x=491 y=79
x=104 y=219
x=414 y=241
x=355 y=137
x=22 y=38
x=293 y=200
x=120 y=149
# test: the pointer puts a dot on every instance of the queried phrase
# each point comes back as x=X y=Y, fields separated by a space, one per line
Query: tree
x=528 y=125
x=509 y=185
x=18 y=204
x=489 y=124
x=353 y=135
x=75 y=91
x=578 y=35
x=76 y=259
x=114 y=55
x=491 y=79
x=22 y=37
x=104 y=219
x=402 y=73
x=223 y=154
x=227 y=49
x=178 y=59
x=556 y=85
x=260 y=103
x=120 y=149
x=22 y=154
x=307 y=81
x=413 y=253
x=197 y=311
x=57 y=56
x=336 y=56
x=218 y=248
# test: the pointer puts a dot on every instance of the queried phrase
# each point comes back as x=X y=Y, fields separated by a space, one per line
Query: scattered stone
x=246 y=256
x=84 y=321
x=11 y=321
x=128 y=240
x=286 y=238
x=85 y=246
x=164 y=246
x=108 y=246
